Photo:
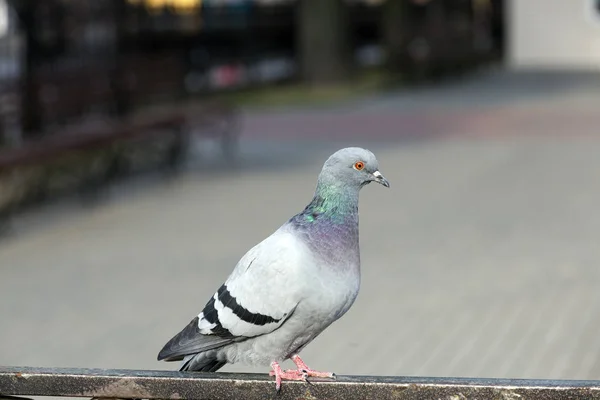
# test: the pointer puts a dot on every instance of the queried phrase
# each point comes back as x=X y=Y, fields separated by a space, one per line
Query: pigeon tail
x=201 y=363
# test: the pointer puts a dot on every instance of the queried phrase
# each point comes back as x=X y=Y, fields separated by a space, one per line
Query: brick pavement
x=481 y=260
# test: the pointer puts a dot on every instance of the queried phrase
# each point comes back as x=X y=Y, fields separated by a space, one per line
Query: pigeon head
x=352 y=167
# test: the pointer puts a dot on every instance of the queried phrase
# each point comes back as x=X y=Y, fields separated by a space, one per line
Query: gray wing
x=206 y=331
x=256 y=300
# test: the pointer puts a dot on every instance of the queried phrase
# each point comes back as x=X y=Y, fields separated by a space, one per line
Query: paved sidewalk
x=481 y=260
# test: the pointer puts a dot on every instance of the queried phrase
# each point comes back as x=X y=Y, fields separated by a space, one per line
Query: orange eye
x=359 y=166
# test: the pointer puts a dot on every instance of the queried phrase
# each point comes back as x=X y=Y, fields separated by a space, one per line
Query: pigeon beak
x=380 y=179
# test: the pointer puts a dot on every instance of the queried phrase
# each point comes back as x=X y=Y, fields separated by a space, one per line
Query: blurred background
x=146 y=145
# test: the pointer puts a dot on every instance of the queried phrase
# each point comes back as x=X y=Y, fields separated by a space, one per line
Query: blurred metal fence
x=62 y=61
x=81 y=61
x=127 y=384
x=66 y=61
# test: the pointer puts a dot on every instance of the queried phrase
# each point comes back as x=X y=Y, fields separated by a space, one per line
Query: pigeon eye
x=359 y=166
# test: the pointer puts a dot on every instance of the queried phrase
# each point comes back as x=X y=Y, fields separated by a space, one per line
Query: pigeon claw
x=318 y=374
x=300 y=374
x=288 y=375
x=308 y=371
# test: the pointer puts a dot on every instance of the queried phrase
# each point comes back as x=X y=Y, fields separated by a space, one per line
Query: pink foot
x=290 y=375
x=302 y=367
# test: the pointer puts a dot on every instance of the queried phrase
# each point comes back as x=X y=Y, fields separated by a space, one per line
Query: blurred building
x=553 y=34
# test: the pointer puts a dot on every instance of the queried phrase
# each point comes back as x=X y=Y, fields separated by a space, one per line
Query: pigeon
x=291 y=286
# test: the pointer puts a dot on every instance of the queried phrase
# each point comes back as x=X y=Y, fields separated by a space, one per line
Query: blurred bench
x=128 y=384
x=88 y=155
x=86 y=137
x=83 y=115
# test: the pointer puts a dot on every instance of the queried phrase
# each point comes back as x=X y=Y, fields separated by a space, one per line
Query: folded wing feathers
x=243 y=307
x=224 y=321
